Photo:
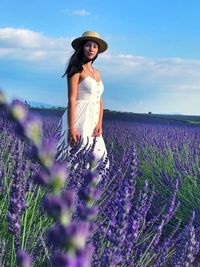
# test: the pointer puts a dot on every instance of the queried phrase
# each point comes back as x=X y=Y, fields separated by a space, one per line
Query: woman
x=83 y=118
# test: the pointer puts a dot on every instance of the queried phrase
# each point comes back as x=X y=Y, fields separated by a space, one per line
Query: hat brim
x=102 y=44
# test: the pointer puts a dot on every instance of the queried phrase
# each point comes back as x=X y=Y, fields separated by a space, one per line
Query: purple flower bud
x=92 y=177
x=60 y=260
x=135 y=228
x=87 y=213
x=84 y=256
x=42 y=178
x=70 y=236
x=58 y=176
x=54 y=177
x=19 y=130
x=60 y=206
x=46 y=152
x=31 y=152
x=53 y=205
x=23 y=259
x=33 y=129
x=68 y=198
x=18 y=111
x=78 y=233
x=89 y=194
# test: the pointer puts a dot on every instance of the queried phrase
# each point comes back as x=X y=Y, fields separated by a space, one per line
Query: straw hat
x=93 y=36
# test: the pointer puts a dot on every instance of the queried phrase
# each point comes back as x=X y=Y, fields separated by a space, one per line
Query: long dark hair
x=76 y=61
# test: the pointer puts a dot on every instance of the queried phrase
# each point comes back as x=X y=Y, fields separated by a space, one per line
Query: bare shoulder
x=73 y=81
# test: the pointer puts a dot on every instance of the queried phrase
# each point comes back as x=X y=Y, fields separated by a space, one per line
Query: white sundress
x=86 y=116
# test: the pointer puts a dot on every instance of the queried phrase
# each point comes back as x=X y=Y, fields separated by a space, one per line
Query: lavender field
x=66 y=210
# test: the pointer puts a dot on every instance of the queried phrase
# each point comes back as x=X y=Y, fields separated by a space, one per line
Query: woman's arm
x=72 y=95
x=73 y=135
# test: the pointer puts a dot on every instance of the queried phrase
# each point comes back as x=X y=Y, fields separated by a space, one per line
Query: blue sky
x=152 y=64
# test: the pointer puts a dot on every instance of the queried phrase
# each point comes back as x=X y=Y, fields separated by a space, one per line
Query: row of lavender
x=72 y=212
x=165 y=153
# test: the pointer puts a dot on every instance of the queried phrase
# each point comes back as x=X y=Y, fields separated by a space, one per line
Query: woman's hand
x=73 y=137
x=98 y=129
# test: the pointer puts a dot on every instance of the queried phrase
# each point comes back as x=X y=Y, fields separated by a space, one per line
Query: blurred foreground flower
x=60 y=206
x=18 y=111
x=23 y=259
x=54 y=177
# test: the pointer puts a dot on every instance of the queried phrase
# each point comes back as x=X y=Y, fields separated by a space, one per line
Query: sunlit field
x=68 y=210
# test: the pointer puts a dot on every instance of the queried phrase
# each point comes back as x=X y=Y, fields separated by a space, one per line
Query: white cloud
x=165 y=85
x=24 y=44
x=24 y=38
x=169 y=73
x=80 y=12
x=142 y=84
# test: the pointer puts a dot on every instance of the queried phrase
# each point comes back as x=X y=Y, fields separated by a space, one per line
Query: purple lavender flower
x=62 y=260
x=84 y=256
x=119 y=224
x=172 y=205
x=91 y=177
x=87 y=213
x=18 y=111
x=187 y=247
x=16 y=205
x=80 y=260
x=46 y=152
x=55 y=177
x=70 y=237
x=33 y=129
x=89 y=194
x=23 y=259
x=162 y=251
x=60 y=206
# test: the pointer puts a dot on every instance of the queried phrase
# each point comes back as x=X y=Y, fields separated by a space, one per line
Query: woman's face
x=90 y=49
